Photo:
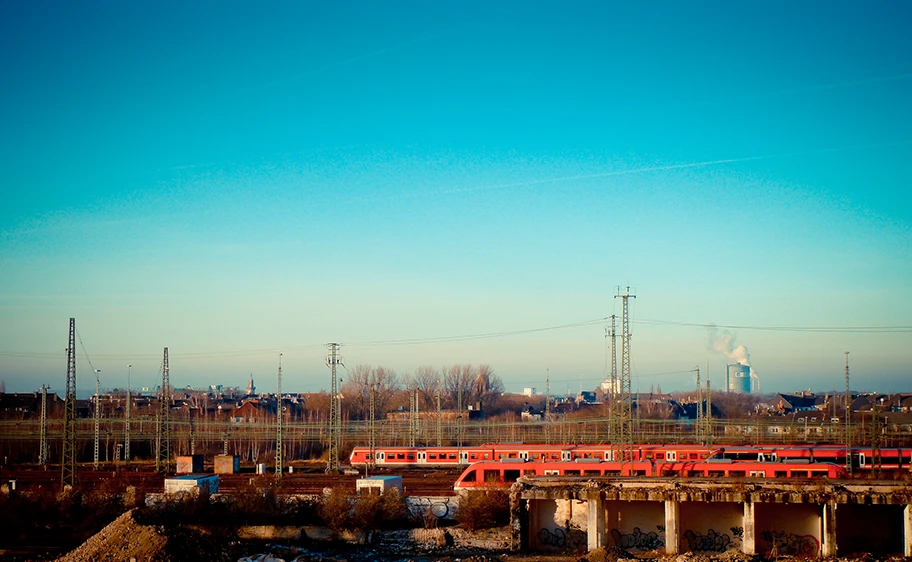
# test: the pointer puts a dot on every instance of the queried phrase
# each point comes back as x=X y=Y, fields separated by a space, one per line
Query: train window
x=694 y=456
x=780 y=474
x=511 y=475
x=492 y=475
x=571 y=473
x=591 y=473
x=716 y=473
x=799 y=474
x=487 y=456
x=400 y=456
x=473 y=456
x=552 y=472
x=660 y=456
x=432 y=456
x=453 y=456
x=411 y=456
x=535 y=456
x=694 y=473
x=760 y=473
x=470 y=476
x=530 y=472
x=736 y=473
x=648 y=455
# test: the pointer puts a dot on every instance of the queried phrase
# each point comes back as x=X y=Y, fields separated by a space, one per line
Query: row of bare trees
x=457 y=385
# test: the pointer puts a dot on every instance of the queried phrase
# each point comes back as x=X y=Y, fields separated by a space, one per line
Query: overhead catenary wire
x=480 y=336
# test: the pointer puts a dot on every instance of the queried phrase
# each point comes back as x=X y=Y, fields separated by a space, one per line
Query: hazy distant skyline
x=234 y=181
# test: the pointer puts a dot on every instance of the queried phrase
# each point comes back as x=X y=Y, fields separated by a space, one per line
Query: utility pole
x=68 y=464
x=708 y=432
x=699 y=404
x=127 y=415
x=613 y=391
x=163 y=437
x=459 y=412
x=43 y=446
x=848 y=415
x=547 y=406
x=97 y=416
x=279 y=415
x=372 y=442
x=439 y=417
x=625 y=403
x=413 y=414
x=335 y=409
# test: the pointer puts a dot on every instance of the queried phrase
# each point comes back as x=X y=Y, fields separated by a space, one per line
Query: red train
x=502 y=473
x=861 y=457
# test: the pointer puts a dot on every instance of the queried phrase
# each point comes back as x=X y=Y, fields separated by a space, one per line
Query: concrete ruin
x=671 y=516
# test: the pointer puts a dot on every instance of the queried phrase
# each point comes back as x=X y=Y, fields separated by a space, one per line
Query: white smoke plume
x=724 y=343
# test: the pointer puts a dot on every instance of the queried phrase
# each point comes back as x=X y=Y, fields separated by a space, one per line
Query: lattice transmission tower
x=335 y=409
x=68 y=464
x=280 y=414
x=625 y=403
x=43 y=445
x=127 y=416
x=163 y=434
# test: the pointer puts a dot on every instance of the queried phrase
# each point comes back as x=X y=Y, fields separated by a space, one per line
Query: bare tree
x=357 y=387
x=487 y=388
x=428 y=381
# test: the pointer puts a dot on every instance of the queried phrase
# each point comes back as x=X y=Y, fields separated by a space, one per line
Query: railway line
x=308 y=481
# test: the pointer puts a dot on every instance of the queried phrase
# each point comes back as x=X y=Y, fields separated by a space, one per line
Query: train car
x=503 y=473
x=420 y=456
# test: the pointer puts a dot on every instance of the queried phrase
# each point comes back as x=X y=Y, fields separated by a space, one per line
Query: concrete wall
x=711 y=527
x=635 y=525
x=558 y=525
x=789 y=529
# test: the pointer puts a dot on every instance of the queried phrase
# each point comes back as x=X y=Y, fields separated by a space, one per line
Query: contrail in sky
x=648 y=169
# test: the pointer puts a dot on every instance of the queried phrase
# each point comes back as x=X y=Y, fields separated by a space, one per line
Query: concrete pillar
x=748 y=523
x=672 y=526
x=829 y=530
x=907 y=530
x=596 y=532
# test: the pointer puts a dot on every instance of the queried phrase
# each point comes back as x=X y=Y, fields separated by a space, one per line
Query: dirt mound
x=125 y=540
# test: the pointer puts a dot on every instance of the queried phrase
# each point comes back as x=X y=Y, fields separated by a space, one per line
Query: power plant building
x=740 y=378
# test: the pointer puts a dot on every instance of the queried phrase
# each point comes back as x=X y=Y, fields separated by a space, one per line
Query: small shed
x=377 y=485
x=227 y=464
x=192 y=483
x=190 y=464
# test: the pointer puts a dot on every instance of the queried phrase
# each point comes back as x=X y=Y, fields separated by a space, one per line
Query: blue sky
x=232 y=181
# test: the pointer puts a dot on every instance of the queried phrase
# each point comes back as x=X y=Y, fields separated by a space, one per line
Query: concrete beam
x=749 y=524
x=829 y=530
x=596 y=530
x=672 y=526
x=907 y=530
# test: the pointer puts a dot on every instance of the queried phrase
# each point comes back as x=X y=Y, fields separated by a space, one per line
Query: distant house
x=27 y=405
x=790 y=403
x=529 y=413
x=254 y=411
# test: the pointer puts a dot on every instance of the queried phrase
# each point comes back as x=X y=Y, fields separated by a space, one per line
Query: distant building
x=529 y=391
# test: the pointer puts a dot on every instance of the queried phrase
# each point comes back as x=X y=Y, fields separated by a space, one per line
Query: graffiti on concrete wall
x=712 y=541
x=562 y=538
x=637 y=539
x=790 y=544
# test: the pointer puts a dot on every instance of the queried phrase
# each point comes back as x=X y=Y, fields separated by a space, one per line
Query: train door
x=524 y=455
x=608 y=456
x=861 y=460
x=566 y=456
x=380 y=457
x=671 y=456
x=463 y=457
x=422 y=457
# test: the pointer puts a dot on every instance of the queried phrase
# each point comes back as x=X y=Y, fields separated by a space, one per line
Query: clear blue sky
x=233 y=180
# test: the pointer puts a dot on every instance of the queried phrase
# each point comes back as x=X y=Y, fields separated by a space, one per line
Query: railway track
x=414 y=482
